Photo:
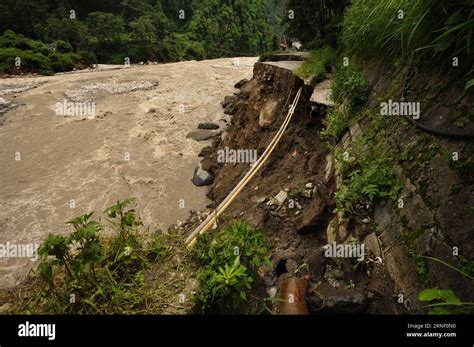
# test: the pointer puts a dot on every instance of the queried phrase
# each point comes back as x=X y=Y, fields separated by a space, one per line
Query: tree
x=106 y=27
x=316 y=22
x=65 y=29
x=143 y=31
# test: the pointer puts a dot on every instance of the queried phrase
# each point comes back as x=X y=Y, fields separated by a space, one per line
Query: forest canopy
x=53 y=35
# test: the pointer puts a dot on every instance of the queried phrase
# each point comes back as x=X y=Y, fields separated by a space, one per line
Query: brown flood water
x=67 y=161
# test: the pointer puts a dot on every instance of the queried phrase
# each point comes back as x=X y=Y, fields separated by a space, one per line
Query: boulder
x=327 y=299
x=202 y=177
x=231 y=109
x=317 y=263
x=315 y=216
x=241 y=83
x=202 y=135
x=229 y=100
x=279 y=199
x=205 y=151
x=208 y=126
x=268 y=114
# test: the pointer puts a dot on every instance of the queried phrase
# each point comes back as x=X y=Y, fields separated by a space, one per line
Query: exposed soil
x=297 y=167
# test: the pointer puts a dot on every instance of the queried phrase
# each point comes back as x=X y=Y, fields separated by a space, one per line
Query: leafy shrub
x=30 y=61
x=350 y=86
x=226 y=287
x=336 y=123
x=63 y=46
x=62 y=62
x=35 y=56
x=444 y=301
x=230 y=260
x=372 y=180
x=12 y=40
x=88 y=57
x=87 y=273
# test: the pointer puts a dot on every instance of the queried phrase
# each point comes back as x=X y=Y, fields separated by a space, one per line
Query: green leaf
x=445 y=295
x=429 y=295
x=469 y=84
x=45 y=270
x=243 y=295
x=449 y=297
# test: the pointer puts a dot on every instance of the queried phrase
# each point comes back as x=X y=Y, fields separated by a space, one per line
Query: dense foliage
x=229 y=261
x=88 y=272
x=395 y=30
x=141 y=30
x=416 y=33
x=17 y=52
x=315 y=22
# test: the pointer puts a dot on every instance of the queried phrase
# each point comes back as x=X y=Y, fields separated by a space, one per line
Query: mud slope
x=298 y=170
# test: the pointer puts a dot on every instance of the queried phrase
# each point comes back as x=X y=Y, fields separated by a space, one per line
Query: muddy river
x=55 y=166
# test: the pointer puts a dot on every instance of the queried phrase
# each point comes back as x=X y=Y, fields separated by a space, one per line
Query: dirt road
x=54 y=167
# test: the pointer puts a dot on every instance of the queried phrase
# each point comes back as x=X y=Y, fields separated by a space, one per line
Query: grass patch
x=395 y=30
x=319 y=64
x=350 y=90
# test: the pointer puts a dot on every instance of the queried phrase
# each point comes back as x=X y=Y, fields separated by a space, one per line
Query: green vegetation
x=350 y=91
x=18 y=54
x=117 y=268
x=372 y=179
x=88 y=272
x=229 y=261
x=350 y=87
x=111 y=31
x=316 y=22
x=409 y=237
x=426 y=29
x=229 y=28
x=444 y=301
x=277 y=12
x=335 y=124
x=318 y=65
